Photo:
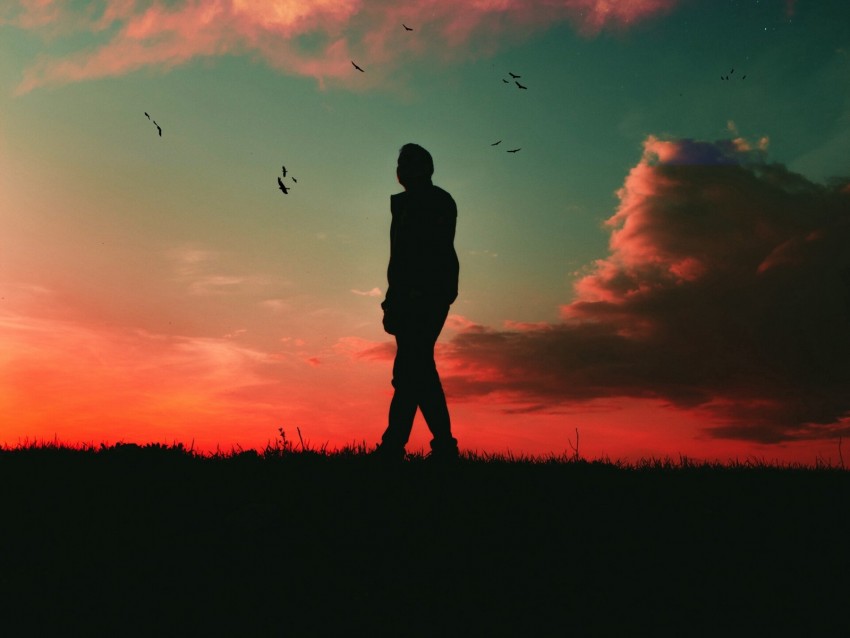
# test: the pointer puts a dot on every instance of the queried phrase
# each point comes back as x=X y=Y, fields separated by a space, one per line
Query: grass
x=300 y=540
x=302 y=451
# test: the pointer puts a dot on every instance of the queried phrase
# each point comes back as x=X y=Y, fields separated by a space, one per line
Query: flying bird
x=505 y=81
x=281 y=186
x=406 y=28
x=514 y=76
x=158 y=127
x=357 y=67
x=520 y=85
x=294 y=180
x=147 y=116
x=744 y=78
x=283 y=168
x=731 y=72
x=514 y=150
x=495 y=143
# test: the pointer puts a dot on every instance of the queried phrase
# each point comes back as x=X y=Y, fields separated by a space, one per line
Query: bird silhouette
x=731 y=72
x=294 y=180
x=505 y=81
x=514 y=150
x=147 y=116
x=281 y=186
x=520 y=85
x=357 y=67
x=283 y=168
x=158 y=127
x=495 y=143
x=406 y=28
x=744 y=77
x=514 y=76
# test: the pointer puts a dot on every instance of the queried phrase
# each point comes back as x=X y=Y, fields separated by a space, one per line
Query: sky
x=660 y=270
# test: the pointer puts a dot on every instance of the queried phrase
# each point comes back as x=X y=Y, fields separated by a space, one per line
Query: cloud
x=314 y=39
x=359 y=348
x=194 y=269
x=375 y=292
x=726 y=290
x=277 y=305
x=66 y=375
x=86 y=381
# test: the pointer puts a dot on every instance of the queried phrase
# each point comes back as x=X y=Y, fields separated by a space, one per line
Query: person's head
x=415 y=166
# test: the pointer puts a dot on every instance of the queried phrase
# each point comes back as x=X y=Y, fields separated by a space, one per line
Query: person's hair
x=415 y=165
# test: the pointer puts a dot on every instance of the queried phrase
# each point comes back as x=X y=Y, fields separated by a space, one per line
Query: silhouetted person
x=423 y=278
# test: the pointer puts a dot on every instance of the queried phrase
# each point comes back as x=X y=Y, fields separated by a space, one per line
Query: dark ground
x=158 y=542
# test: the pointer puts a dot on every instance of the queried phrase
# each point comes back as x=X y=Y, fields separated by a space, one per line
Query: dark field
x=157 y=541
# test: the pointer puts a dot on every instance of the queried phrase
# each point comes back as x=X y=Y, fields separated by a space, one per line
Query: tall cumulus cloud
x=726 y=290
x=314 y=39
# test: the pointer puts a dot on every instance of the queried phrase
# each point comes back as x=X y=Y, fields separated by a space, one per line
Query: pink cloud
x=32 y=14
x=726 y=290
x=315 y=39
x=594 y=15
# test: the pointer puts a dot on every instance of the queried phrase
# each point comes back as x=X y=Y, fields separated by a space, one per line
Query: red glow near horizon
x=84 y=386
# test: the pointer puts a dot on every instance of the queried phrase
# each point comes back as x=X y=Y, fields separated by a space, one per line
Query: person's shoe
x=388 y=455
x=444 y=452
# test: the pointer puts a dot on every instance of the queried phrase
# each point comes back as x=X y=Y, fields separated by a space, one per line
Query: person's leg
x=417 y=383
x=404 y=401
x=431 y=397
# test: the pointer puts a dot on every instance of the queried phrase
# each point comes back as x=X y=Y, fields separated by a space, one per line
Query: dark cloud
x=727 y=289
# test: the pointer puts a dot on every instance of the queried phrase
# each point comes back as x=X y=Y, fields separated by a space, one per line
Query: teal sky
x=187 y=237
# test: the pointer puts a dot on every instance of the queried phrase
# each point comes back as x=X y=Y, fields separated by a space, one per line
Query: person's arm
x=446 y=262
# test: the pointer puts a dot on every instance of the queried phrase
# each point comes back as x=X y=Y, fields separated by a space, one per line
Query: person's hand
x=391 y=317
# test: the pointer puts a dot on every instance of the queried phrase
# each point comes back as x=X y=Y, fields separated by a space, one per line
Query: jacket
x=423 y=261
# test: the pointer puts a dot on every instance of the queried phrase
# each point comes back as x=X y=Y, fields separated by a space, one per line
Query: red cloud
x=316 y=39
x=727 y=289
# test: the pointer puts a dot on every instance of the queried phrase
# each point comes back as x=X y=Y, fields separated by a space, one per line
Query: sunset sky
x=663 y=266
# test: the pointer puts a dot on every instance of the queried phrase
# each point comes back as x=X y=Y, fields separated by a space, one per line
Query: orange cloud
x=83 y=380
x=315 y=39
x=74 y=378
x=88 y=382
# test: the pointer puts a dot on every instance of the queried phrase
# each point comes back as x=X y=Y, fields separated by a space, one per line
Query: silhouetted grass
x=296 y=539
x=303 y=452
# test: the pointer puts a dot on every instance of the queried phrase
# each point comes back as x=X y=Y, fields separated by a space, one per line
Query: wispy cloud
x=85 y=381
x=74 y=378
x=374 y=292
x=727 y=290
x=359 y=348
x=223 y=284
x=315 y=39
x=198 y=270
